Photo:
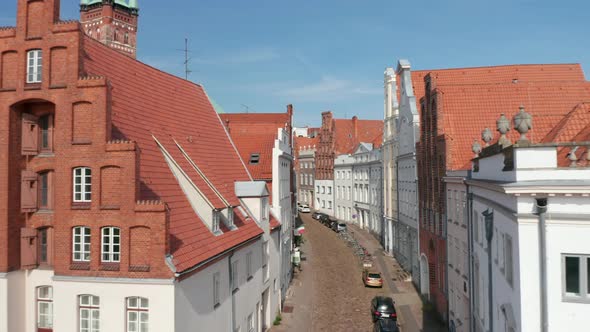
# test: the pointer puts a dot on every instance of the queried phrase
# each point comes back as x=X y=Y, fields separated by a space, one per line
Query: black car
x=382 y=308
x=324 y=219
x=316 y=215
x=385 y=325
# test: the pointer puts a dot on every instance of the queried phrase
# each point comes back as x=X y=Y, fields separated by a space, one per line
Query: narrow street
x=329 y=295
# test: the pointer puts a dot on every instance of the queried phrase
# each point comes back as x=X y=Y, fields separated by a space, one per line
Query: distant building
x=338 y=136
x=390 y=139
x=368 y=187
x=343 y=182
x=529 y=209
x=305 y=149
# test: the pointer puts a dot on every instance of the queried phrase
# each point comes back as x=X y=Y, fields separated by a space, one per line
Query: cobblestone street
x=329 y=295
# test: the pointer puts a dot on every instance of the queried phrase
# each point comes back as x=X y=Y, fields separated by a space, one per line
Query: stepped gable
x=146 y=102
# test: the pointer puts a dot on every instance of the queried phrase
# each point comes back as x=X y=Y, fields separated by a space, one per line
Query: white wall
x=3 y=303
x=324 y=196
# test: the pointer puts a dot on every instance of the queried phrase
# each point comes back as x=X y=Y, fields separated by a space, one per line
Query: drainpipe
x=231 y=291
x=541 y=204
x=489 y=223
x=470 y=255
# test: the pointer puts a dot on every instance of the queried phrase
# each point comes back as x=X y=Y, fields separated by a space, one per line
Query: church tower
x=112 y=22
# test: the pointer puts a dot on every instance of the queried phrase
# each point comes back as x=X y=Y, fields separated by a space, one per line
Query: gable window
x=254 y=158
x=111 y=244
x=82 y=184
x=81 y=244
x=216 y=289
x=44 y=308
x=34 y=66
x=89 y=313
x=137 y=314
x=126 y=38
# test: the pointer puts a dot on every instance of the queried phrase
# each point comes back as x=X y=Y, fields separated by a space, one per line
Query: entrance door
x=265 y=310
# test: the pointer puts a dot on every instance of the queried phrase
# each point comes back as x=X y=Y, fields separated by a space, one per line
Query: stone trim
x=114 y=280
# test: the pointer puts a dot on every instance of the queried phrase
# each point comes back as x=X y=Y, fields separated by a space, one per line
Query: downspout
x=541 y=204
x=489 y=224
x=470 y=255
x=231 y=290
x=397 y=195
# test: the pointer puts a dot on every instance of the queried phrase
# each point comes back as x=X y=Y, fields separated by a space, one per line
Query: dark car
x=382 y=308
x=324 y=219
x=385 y=325
x=316 y=215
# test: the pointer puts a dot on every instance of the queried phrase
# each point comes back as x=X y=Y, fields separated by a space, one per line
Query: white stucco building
x=457 y=251
x=367 y=188
x=405 y=229
x=530 y=218
x=324 y=196
x=389 y=150
x=343 y=183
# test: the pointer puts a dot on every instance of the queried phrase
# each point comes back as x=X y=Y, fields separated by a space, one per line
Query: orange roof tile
x=574 y=127
x=344 y=140
x=146 y=102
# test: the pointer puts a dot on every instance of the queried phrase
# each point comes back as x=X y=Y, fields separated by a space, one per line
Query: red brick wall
x=325 y=151
x=114 y=197
x=431 y=152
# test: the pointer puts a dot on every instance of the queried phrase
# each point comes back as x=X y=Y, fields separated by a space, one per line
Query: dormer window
x=254 y=158
x=34 y=66
x=215 y=222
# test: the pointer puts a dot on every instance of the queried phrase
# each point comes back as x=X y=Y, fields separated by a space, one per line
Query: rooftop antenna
x=187 y=71
x=246 y=107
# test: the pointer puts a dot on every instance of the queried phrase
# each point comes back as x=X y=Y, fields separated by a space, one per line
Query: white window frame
x=83 y=234
x=112 y=256
x=85 y=176
x=92 y=308
x=584 y=295
x=34 y=66
x=141 y=312
x=45 y=301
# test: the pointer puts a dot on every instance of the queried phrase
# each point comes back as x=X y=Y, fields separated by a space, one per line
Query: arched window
x=46 y=132
x=44 y=308
x=115 y=35
x=126 y=40
x=89 y=313
x=137 y=314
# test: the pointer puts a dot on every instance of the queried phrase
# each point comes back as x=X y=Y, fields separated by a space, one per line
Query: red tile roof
x=467 y=109
x=344 y=140
x=256 y=133
x=146 y=102
x=574 y=127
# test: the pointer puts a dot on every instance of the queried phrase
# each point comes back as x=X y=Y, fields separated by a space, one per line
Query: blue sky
x=330 y=54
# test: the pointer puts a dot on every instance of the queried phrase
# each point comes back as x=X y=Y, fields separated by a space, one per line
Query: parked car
x=372 y=278
x=316 y=215
x=382 y=308
x=324 y=219
x=341 y=227
x=386 y=325
x=334 y=225
x=304 y=208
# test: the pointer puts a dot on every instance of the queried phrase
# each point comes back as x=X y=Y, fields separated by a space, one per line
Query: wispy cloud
x=263 y=54
x=327 y=89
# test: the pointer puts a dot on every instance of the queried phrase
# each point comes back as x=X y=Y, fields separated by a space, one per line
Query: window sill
x=82 y=266
x=61 y=86
x=46 y=154
x=44 y=211
x=575 y=299
x=32 y=86
x=250 y=278
x=235 y=291
x=80 y=205
x=34 y=38
x=109 y=267
x=110 y=207
x=82 y=142
x=217 y=305
x=139 y=268
x=7 y=89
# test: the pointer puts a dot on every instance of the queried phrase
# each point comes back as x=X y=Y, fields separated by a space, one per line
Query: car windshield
x=374 y=275
x=342 y=225
x=388 y=325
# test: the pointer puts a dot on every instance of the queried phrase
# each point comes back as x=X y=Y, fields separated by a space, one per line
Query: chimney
x=355 y=127
x=290 y=124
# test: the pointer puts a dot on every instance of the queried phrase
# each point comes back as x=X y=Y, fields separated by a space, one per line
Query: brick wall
x=81 y=136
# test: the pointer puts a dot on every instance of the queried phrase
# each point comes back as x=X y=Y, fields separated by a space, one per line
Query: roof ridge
x=498 y=66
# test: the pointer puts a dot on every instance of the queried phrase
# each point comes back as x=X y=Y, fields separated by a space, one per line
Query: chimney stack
x=355 y=127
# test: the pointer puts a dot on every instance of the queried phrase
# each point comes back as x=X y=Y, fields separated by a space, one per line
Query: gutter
x=541 y=205
x=231 y=290
x=470 y=255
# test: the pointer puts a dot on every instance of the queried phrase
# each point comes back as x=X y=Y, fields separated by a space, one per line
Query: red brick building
x=455 y=104
x=118 y=190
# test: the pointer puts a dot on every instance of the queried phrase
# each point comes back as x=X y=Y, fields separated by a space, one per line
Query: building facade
x=529 y=215
x=114 y=215
x=305 y=169
x=405 y=229
x=367 y=188
x=343 y=182
x=390 y=138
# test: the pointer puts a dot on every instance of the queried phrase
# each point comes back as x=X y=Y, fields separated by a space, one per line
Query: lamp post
x=489 y=224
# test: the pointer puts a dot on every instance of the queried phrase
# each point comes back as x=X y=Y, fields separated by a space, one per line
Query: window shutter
x=30 y=135
x=28 y=248
x=28 y=191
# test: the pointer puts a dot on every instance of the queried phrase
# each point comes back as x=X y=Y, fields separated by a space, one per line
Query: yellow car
x=372 y=279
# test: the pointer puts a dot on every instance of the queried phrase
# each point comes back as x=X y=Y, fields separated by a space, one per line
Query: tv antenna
x=187 y=60
x=246 y=107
